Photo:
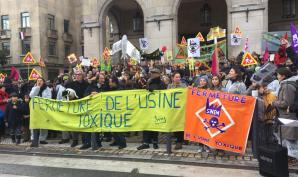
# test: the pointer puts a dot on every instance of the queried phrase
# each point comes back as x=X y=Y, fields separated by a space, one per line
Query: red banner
x=219 y=120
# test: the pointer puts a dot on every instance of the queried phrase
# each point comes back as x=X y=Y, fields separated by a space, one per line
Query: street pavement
x=54 y=159
x=40 y=166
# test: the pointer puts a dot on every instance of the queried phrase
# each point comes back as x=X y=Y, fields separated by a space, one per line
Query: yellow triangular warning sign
x=183 y=41
x=28 y=59
x=181 y=54
x=200 y=36
x=248 y=60
x=34 y=75
x=238 y=31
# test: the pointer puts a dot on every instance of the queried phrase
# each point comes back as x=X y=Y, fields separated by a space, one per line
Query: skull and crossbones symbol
x=214 y=123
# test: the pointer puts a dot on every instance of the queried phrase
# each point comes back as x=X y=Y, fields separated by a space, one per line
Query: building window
x=66 y=26
x=66 y=50
x=25 y=19
x=206 y=14
x=288 y=8
x=25 y=47
x=6 y=47
x=4 y=22
x=137 y=22
x=52 y=48
x=51 y=22
x=53 y=73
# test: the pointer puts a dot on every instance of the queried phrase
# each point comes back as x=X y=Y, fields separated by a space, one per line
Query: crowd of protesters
x=276 y=96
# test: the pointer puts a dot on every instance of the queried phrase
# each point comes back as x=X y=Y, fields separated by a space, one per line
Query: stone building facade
x=86 y=27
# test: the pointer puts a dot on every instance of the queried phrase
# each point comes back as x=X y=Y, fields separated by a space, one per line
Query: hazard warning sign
x=200 y=36
x=181 y=54
x=28 y=59
x=183 y=41
x=248 y=60
x=34 y=75
x=238 y=31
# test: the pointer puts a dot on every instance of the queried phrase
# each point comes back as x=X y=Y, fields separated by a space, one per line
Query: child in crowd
x=13 y=118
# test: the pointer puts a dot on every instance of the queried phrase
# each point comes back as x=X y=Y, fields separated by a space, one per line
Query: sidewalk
x=187 y=155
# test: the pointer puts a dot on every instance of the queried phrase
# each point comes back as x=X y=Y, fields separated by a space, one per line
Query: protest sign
x=34 y=75
x=219 y=120
x=144 y=43
x=28 y=59
x=193 y=47
x=119 y=111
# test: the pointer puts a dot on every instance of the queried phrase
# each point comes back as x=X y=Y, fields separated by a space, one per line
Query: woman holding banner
x=176 y=83
x=41 y=90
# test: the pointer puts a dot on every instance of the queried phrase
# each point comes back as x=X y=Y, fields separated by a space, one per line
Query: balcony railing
x=5 y=34
x=26 y=31
x=67 y=37
x=53 y=34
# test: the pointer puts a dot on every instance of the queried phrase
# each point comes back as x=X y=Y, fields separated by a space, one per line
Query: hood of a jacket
x=292 y=80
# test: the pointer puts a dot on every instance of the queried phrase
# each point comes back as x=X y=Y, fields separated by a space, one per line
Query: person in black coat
x=79 y=86
x=26 y=118
x=13 y=118
x=94 y=88
x=119 y=137
x=154 y=83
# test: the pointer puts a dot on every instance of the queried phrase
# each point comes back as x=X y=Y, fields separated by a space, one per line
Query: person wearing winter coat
x=154 y=83
x=93 y=139
x=60 y=88
x=266 y=113
x=235 y=84
x=26 y=118
x=40 y=90
x=3 y=101
x=79 y=86
x=119 y=137
x=13 y=118
x=176 y=83
x=286 y=98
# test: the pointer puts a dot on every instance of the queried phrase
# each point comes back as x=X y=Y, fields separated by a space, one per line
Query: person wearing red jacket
x=3 y=101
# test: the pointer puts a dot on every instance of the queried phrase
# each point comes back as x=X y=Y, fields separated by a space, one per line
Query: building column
x=91 y=39
x=252 y=20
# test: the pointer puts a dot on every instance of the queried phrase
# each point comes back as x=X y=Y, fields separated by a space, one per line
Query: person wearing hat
x=154 y=83
x=13 y=118
x=203 y=82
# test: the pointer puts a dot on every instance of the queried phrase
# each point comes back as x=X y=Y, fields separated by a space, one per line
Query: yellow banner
x=119 y=111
